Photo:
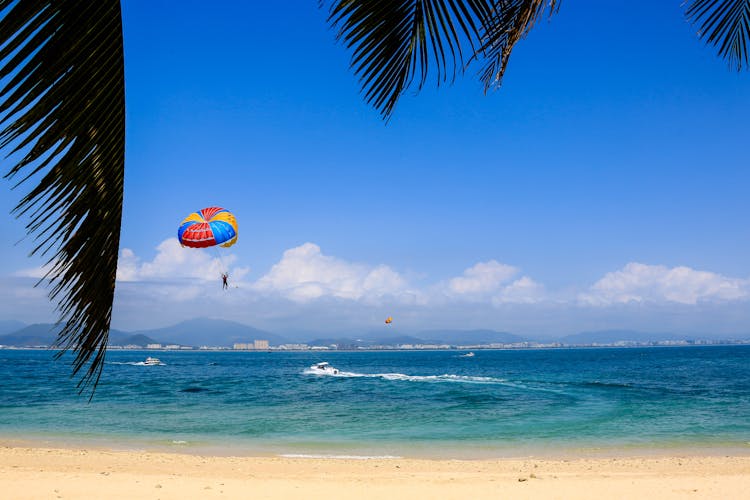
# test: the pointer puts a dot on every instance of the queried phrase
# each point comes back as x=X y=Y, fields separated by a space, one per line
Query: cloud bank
x=174 y=261
x=304 y=275
x=308 y=287
x=644 y=283
x=495 y=283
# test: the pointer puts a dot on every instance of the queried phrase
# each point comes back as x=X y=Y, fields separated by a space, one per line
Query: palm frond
x=724 y=24
x=511 y=21
x=62 y=120
x=396 y=41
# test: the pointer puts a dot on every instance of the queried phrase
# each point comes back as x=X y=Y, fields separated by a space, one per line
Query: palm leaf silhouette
x=395 y=42
x=63 y=124
x=724 y=24
x=511 y=21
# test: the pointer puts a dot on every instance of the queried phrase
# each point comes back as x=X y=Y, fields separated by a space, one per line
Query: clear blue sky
x=617 y=138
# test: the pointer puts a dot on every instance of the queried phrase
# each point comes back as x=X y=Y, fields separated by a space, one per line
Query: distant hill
x=38 y=334
x=224 y=333
x=464 y=337
x=10 y=326
x=451 y=337
x=612 y=336
x=404 y=339
x=127 y=339
x=197 y=332
x=348 y=343
x=42 y=334
x=211 y=332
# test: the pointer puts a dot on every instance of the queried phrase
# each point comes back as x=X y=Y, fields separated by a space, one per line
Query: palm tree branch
x=62 y=123
x=724 y=24
x=512 y=21
x=395 y=42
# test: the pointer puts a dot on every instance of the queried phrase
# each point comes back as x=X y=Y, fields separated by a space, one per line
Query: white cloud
x=522 y=291
x=494 y=282
x=647 y=283
x=34 y=272
x=172 y=261
x=304 y=274
x=482 y=278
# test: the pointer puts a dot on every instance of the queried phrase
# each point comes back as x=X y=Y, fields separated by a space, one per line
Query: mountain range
x=223 y=333
x=196 y=332
x=10 y=326
x=45 y=334
x=211 y=332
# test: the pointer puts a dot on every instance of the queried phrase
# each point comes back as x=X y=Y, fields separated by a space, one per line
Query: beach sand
x=36 y=473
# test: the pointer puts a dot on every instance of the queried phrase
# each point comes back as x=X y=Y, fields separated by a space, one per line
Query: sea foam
x=446 y=377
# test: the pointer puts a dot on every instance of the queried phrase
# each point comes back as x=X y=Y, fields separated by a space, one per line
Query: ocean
x=498 y=403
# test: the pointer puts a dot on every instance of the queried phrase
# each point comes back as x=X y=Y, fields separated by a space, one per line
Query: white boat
x=468 y=355
x=324 y=369
x=152 y=361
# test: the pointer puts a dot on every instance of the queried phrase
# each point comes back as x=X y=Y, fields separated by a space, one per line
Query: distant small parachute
x=388 y=320
x=208 y=227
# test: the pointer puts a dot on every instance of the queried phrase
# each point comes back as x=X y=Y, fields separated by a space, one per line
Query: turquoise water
x=398 y=403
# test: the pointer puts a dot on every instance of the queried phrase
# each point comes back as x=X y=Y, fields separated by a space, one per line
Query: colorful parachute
x=208 y=227
x=388 y=320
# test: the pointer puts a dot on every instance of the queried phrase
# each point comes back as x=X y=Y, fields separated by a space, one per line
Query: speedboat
x=468 y=355
x=324 y=369
x=152 y=361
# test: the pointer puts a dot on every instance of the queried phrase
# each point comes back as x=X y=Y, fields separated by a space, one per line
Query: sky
x=603 y=186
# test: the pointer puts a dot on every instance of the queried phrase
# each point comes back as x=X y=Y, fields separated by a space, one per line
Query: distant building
x=241 y=346
x=260 y=344
x=294 y=347
x=153 y=346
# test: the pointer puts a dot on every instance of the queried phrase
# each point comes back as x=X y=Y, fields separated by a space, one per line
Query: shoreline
x=47 y=472
x=408 y=451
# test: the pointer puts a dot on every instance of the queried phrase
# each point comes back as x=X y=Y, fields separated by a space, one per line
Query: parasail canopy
x=388 y=320
x=208 y=227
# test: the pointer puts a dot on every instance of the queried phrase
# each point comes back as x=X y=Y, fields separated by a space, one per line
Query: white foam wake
x=446 y=377
x=466 y=379
x=134 y=363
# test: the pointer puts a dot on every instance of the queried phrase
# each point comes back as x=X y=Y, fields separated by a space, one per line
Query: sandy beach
x=33 y=473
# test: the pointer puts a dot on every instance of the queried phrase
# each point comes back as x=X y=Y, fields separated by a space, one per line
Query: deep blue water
x=404 y=403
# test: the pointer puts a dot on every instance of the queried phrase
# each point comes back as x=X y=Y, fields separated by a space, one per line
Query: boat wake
x=464 y=379
x=446 y=377
x=136 y=363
